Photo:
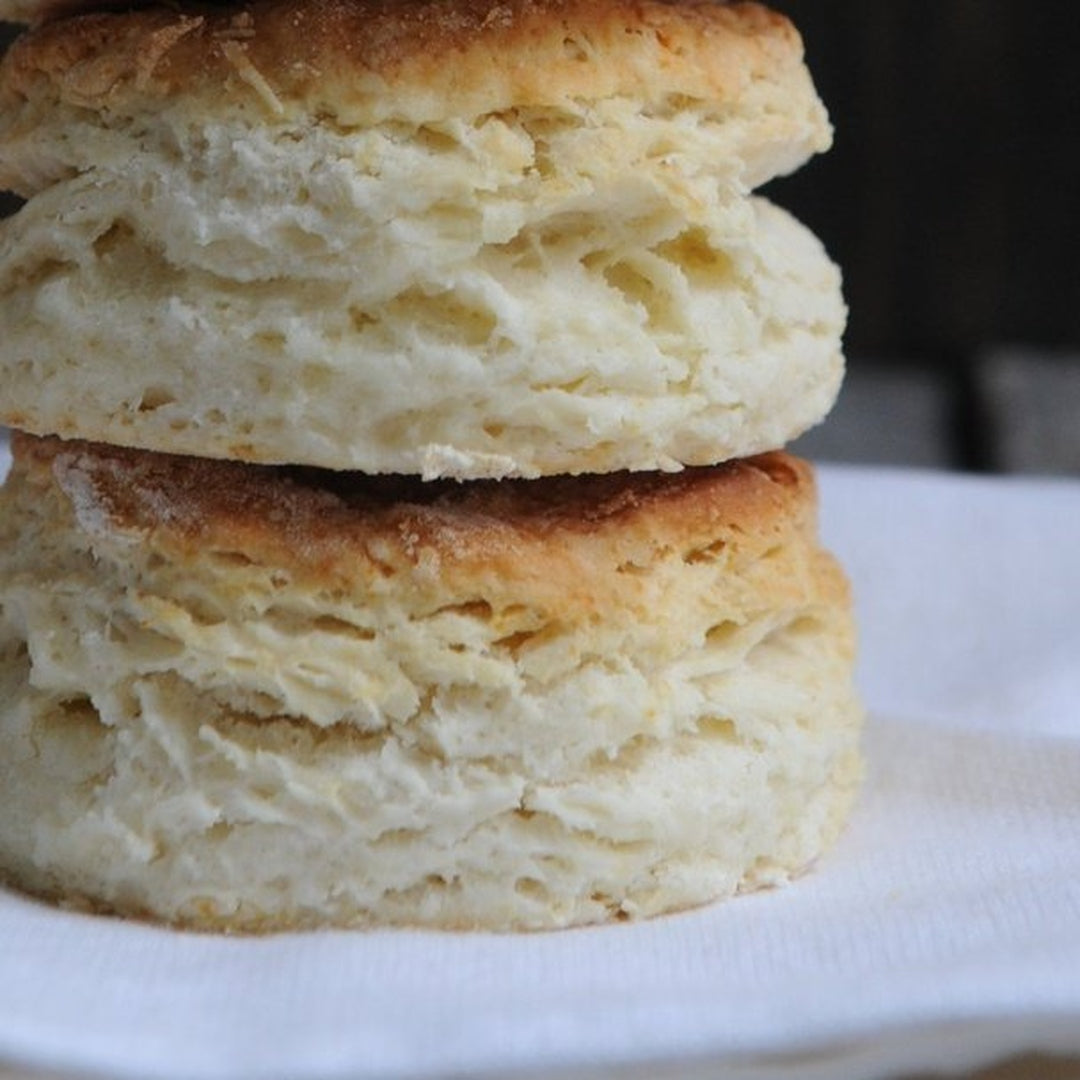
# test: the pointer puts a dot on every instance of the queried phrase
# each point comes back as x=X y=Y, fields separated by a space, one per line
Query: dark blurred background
x=952 y=201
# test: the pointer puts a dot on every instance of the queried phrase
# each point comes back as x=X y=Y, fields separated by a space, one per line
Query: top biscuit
x=451 y=238
x=363 y=61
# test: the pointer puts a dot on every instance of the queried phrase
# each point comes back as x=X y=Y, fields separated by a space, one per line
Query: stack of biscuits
x=399 y=531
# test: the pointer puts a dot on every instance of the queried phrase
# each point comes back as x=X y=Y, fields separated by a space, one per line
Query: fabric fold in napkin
x=944 y=930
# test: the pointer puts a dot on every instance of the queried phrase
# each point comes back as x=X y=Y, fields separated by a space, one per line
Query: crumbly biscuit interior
x=530 y=293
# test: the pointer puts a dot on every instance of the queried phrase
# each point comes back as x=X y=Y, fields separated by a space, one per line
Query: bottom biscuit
x=245 y=698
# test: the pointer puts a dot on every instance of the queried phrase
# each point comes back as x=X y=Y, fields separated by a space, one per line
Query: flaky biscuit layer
x=565 y=352
x=257 y=699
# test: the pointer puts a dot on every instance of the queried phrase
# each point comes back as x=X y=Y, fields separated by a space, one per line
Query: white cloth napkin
x=943 y=931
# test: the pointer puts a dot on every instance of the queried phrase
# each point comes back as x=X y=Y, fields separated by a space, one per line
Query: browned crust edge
x=505 y=52
x=326 y=523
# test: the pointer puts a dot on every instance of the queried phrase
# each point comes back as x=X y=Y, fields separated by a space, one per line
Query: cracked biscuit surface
x=256 y=699
x=464 y=240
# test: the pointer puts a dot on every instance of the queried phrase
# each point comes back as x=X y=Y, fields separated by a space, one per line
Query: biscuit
x=252 y=698
x=449 y=239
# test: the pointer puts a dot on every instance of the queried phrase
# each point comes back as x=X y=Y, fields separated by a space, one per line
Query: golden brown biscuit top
x=418 y=60
x=342 y=527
